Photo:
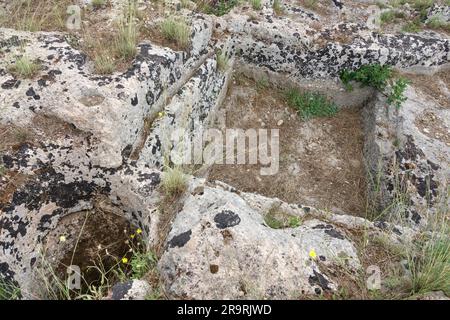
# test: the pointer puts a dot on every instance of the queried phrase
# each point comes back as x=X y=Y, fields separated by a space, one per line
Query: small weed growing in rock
x=256 y=4
x=378 y=77
x=222 y=61
x=437 y=23
x=177 y=31
x=218 y=8
x=391 y=16
x=104 y=64
x=310 y=104
x=275 y=218
x=277 y=7
x=141 y=263
x=430 y=265
x=174 y=182
x=310 y=4
x=262 y=83
x=98 y=3
x=2 y=170
x=24 y=67
x=412 y=26
x=8 y=291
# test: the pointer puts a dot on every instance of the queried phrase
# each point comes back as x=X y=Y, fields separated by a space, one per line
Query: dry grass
x=32 y=15
x=24 y=67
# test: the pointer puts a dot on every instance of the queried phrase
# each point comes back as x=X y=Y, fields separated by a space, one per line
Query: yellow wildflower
x=62 y=239
x=139 y=231
x=124 y=260
x=132 y=236
x=312 y=254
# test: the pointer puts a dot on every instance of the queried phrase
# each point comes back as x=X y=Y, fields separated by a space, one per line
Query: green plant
x=276 y=218
x=8 y=290
x=438 y=23
x=141 y=263
x=396 y=96
x=310 y=104
x=277 y=7
x=262 y=83
x=311 y=4
x=390 y=16
x=174 y=181
x=373 y=75
x=222 y=61
x=218 y=8
x=412 y=26
x=176 y=30
x=2 y=170
x=429 y=263
x=24 y=67
x=104 y=63
x=127 y=36
x=98 y=3
x=256 y=4
x=379 y=77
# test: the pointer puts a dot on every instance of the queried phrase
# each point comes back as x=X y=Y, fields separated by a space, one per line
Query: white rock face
x=220 y=247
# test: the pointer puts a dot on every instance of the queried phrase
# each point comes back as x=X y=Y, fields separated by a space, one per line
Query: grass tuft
x=177 y=31
x=24 y=67
x=310 y=104
x=222 y=61
x=256 y=4
x=174 y=182
x=277 y=7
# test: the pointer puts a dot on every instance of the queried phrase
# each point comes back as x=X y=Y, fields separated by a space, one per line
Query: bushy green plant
x=379 y=77
x=24 y=67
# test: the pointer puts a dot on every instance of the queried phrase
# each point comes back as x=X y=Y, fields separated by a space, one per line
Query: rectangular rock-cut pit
x=321 y=159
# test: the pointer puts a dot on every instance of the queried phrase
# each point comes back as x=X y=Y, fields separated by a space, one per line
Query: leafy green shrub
x=378 y=77
x=310 y=104
x=396 y=96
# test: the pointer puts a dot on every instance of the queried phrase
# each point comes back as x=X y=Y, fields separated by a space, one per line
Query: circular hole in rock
x=100 y=243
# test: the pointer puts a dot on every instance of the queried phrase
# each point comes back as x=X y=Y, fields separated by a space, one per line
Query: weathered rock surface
x=109 y=136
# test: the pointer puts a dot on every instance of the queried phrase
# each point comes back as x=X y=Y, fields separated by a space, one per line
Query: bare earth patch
x=321 y=162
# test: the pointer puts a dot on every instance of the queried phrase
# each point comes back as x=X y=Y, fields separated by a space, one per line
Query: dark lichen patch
x=120 y=290
x=180 y=240
x=319 y=280
x=226 y=219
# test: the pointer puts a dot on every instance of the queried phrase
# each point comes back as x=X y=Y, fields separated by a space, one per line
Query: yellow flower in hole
x=124 y=260
x=312 y=254
x=139 y=231
x=62 y=239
